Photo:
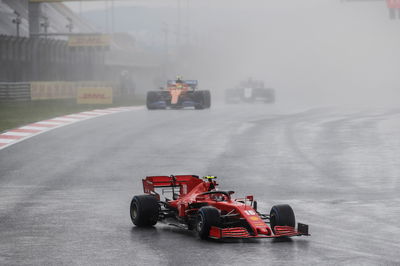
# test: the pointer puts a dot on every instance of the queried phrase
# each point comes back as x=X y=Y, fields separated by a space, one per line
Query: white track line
x=13 y=136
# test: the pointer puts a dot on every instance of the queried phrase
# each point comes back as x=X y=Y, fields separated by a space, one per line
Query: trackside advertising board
x=101 y=95
x=48 y=90
x=95 y=40
x=52 y=90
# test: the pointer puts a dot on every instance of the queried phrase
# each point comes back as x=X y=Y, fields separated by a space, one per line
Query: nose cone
x=175 y=96
x=264 y=231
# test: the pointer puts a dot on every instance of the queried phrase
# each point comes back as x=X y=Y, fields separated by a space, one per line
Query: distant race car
x=196 y=204
x=179 y=94
x=250 y=91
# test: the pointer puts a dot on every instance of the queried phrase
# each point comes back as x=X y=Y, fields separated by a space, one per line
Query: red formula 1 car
x=196 y=204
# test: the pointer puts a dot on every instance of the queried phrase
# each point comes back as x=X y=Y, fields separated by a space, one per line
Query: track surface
x=65 y=194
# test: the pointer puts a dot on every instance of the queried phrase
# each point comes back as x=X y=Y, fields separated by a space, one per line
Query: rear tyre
x=282 y=215
x=207 y=216
x=144 y=210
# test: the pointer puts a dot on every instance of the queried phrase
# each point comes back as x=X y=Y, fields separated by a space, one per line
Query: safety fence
x=27 y=59
x=50 y=60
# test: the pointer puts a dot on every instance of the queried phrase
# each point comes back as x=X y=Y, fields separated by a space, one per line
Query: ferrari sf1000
x=197 y=204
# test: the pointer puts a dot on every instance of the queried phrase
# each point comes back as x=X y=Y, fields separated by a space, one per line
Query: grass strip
x=16 y=114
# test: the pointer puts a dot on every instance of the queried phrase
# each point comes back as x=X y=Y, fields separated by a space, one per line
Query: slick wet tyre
x=282 y=215
x=151 y=98
x=207 y=216
x=144 y=210
x=207 y=99
x=199 y=100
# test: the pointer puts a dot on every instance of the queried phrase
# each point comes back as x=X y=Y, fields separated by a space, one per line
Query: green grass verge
x=15 y=114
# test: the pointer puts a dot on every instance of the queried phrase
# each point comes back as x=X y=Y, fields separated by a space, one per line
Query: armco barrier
x=16 y=91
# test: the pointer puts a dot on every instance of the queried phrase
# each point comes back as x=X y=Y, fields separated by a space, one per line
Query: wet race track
x=65 y=194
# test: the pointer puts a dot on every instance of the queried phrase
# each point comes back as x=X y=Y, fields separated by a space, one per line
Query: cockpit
x=217 y=196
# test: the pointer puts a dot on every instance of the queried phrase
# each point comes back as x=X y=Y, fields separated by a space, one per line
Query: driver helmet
x=178 y=79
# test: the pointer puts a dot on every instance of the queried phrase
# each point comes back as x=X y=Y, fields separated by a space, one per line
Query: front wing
x=241 y=232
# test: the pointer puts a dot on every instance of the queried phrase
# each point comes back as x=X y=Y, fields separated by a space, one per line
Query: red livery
x=196 y=204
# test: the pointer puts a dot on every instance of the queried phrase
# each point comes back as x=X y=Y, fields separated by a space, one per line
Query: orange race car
x=179 y=94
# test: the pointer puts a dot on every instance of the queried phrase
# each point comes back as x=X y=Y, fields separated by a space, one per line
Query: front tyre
x=207 y=216
x=199 y=100
x=144 y=210
x=207 y=99
x=151 y=98
x=282 y=215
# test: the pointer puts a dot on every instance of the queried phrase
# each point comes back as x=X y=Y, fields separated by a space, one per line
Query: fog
x=86 y=121
x=315 y=51
x=310 y=51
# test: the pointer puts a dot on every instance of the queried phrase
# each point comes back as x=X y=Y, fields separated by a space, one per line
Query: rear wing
x=185 y=183
x=191 y=83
